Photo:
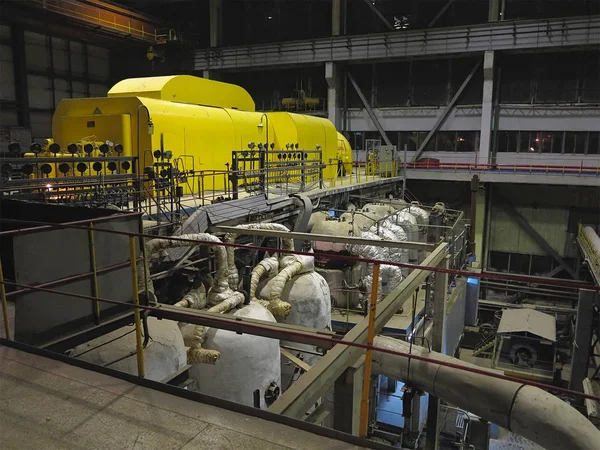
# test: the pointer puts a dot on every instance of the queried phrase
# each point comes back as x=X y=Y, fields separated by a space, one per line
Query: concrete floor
x=46 y=404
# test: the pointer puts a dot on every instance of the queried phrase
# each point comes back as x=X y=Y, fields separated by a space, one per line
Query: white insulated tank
x=309 y=295
x=333 y=228
x=318 y=216
x=410 y=225
x=362 y=220
x=247 y=362
x=381 y=209
x=163 y=356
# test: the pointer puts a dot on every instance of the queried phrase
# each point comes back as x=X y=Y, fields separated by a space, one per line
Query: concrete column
x=582 y=340
x=334 y=111
x=347 y=395
x=493 y=10
x=440 y=295
x=216 y=23
x=487 y=108
x=480 y=225
x=338 y=23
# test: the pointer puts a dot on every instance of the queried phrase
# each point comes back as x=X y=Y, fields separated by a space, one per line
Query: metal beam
x=20 y=75
x=242 y=325
x=386 y=22
x=533 y=233
x=442 y=118
x=324 y=238
x=471 y=39
x=441 y=13
x=582 y=341
x=440 y=294
x=106 y=16
x=367 y=106
x=321 y=377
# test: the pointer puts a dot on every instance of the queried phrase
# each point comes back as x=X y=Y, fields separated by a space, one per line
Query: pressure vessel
x=163 y=356
x=247 y=363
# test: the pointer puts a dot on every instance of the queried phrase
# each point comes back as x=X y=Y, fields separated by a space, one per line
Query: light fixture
x=270 y=17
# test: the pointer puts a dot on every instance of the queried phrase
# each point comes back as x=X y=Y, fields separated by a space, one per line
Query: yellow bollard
x=364 y=404
x=136 y=311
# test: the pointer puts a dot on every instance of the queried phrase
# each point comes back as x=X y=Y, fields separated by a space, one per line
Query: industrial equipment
x=526 y=344
x=198 y=120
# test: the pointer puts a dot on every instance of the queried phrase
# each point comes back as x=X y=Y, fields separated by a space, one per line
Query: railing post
x=4 y=304
x=95 y=293
x=136 y=311
x=364 y=404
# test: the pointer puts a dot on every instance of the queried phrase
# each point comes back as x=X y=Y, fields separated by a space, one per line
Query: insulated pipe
x=525 y=410
x=219 y=295
x=195 y=299
x=301 y=264
x=198 y=355
x=269 y=266
x=233 y=275
x=220 y=281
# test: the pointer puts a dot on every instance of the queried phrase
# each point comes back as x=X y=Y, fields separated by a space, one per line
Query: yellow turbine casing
x=185 y=89
x=198 y=119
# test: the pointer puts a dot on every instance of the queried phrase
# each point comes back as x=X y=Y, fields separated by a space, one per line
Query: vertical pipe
x=136 y=312
x=4 y=304
x=364 y=404
x=144 y=263
x=93 y=267
x=474 y=189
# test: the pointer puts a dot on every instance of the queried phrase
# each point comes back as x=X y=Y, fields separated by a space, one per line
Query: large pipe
x=220 y=283
x=234 y=277
x=525 y=410
x=220 y=296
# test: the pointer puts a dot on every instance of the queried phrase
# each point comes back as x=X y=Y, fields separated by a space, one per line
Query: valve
x=272 y=393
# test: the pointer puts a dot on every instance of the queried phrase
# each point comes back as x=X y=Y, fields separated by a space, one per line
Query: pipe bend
x=525 y=410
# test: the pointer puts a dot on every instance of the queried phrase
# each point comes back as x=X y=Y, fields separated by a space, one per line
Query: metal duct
x=525 y=410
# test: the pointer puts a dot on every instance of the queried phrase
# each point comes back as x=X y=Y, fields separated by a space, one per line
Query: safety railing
x=547 y=169
x=281 y=331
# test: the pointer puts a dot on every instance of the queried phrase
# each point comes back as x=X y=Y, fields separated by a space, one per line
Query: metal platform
x=50 y=404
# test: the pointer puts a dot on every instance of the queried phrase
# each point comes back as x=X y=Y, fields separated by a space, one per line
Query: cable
x=103 y=344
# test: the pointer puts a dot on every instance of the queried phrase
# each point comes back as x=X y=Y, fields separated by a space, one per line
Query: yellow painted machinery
x=199 y=121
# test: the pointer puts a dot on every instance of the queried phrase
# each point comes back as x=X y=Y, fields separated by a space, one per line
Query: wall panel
x=55 y=68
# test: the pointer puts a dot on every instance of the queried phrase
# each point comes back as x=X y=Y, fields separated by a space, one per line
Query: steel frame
x=503 y=35
x=313 y=384
x=324 y=238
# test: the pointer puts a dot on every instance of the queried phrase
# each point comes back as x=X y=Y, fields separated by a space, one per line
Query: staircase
x=486 y=344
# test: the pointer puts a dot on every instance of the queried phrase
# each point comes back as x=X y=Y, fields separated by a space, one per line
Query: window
x=593 y=143
x=520 y=263
x=524 y=142
x=446 y=141
x=558 y=138
x=467 y=141
x=410 y=139
x=575 y=142
x=507 y=141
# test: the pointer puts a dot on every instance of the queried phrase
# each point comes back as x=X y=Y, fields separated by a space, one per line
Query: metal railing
x=278 y=331
x=547 y=169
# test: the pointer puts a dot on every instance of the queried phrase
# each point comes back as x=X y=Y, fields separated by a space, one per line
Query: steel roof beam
x=502 y=35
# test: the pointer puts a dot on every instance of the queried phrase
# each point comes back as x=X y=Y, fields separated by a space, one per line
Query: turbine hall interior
x=347 y=233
